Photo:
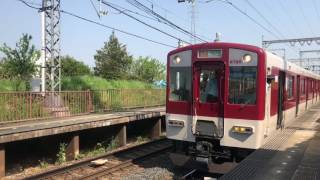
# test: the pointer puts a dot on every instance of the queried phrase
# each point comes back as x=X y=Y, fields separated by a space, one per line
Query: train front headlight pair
x=242 y=130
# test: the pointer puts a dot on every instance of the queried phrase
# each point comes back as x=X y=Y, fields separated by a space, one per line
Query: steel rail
x=128 y=163
x=85 y=163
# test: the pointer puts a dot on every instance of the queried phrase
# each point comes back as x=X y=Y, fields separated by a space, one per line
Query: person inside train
x=212 y=88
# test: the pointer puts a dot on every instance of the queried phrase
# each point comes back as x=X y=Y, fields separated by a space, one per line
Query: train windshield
x=180 y=84
x=208 y=86
x=242 y=85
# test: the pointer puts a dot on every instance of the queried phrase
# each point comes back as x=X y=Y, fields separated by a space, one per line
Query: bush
x=11 y=85
x=97 y=83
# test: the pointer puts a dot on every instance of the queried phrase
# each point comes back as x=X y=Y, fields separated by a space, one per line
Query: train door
x=208 y=95
x=281 y=89
x=297 y=95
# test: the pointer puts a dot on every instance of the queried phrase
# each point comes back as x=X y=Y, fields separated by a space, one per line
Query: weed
x=61 y=156
x=141 y=139
x=113 y=144
x=43 y=163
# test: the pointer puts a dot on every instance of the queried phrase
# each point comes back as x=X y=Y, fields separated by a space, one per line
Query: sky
x=80 y=39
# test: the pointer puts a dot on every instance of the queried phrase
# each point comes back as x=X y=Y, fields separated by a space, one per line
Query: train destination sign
x=210 y=53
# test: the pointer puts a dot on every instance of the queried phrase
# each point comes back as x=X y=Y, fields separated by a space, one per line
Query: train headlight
x=246 y=58
x=242 y=129
x=176 y=60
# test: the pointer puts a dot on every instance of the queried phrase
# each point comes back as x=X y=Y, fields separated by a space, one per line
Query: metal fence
x=17 y=106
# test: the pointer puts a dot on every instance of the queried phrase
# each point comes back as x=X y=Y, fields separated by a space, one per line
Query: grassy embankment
x=106 y=96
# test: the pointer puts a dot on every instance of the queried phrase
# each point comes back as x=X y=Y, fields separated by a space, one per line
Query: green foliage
x=18 y=107
x=71 y=67
x=148 y=69
x=97 y=83
x=61 y=156
x=43 y=163
x=19 y=64
x=141 y=139
x=11 y=85
x=112 y=61
x=113 y=144
x=100 y=148
x=3 y=74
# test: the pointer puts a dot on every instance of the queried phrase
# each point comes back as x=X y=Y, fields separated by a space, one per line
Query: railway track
x=108 y=164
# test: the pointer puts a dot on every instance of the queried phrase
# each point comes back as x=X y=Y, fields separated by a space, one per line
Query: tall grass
x=97 y=83
x=10 y=85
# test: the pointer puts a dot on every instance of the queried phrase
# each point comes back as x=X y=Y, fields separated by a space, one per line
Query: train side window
x=180 y=84
x=289 y=87
x=242 y=85
x=302 y=87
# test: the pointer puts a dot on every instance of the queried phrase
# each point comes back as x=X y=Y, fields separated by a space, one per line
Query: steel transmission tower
x=50 y=54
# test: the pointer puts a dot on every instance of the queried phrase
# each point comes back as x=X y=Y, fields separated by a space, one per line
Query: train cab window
x=180 y=84
x=242 y=85
x=208 y=86
x=289 y=87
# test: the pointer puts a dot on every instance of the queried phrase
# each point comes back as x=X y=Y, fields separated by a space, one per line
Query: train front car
x=216 y=100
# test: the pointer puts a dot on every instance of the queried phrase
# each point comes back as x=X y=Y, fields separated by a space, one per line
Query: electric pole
x=50 y=53
x=193 y=19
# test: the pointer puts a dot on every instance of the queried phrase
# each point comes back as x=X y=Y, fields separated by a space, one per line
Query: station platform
x=71 y=126
x=292 y=153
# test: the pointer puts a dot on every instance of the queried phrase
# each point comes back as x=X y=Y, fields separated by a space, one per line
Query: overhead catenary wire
x=144 y=23
x=133 y=12
x=285 y=11
x=162 y=19
x=264 y=18
x=100 y=24
x=167 y=11
x=316 y=9
x=251 y=18
x=280 y=20
x=304 y=17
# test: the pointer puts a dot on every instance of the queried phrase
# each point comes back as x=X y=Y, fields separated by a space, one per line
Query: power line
x=316 y=8
x=142 y=22
x=162 y=19
x=133 y=12
x=153 y=4
x=304 y=17
x=284 y=10
x=116 y=29
x=29 y=4
x=95 y=9
x=102 y=25
x=264 y=18
x=248 y=16
x=279 y=20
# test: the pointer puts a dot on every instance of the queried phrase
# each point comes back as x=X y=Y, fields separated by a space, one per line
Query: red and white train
x=224 y=99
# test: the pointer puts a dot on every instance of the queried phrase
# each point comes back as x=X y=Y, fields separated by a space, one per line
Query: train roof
x=290 y=66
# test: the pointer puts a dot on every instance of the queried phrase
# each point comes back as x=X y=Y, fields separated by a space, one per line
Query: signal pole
x=50 y=52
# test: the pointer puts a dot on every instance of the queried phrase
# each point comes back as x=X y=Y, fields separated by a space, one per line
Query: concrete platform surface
x=26 y=130
x=293 y=153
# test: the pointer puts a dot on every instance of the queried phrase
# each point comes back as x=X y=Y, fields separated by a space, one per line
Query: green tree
x=71 y=67
x=112 y=61
x=20 y=63
x=2 y=70
x=148 y=69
